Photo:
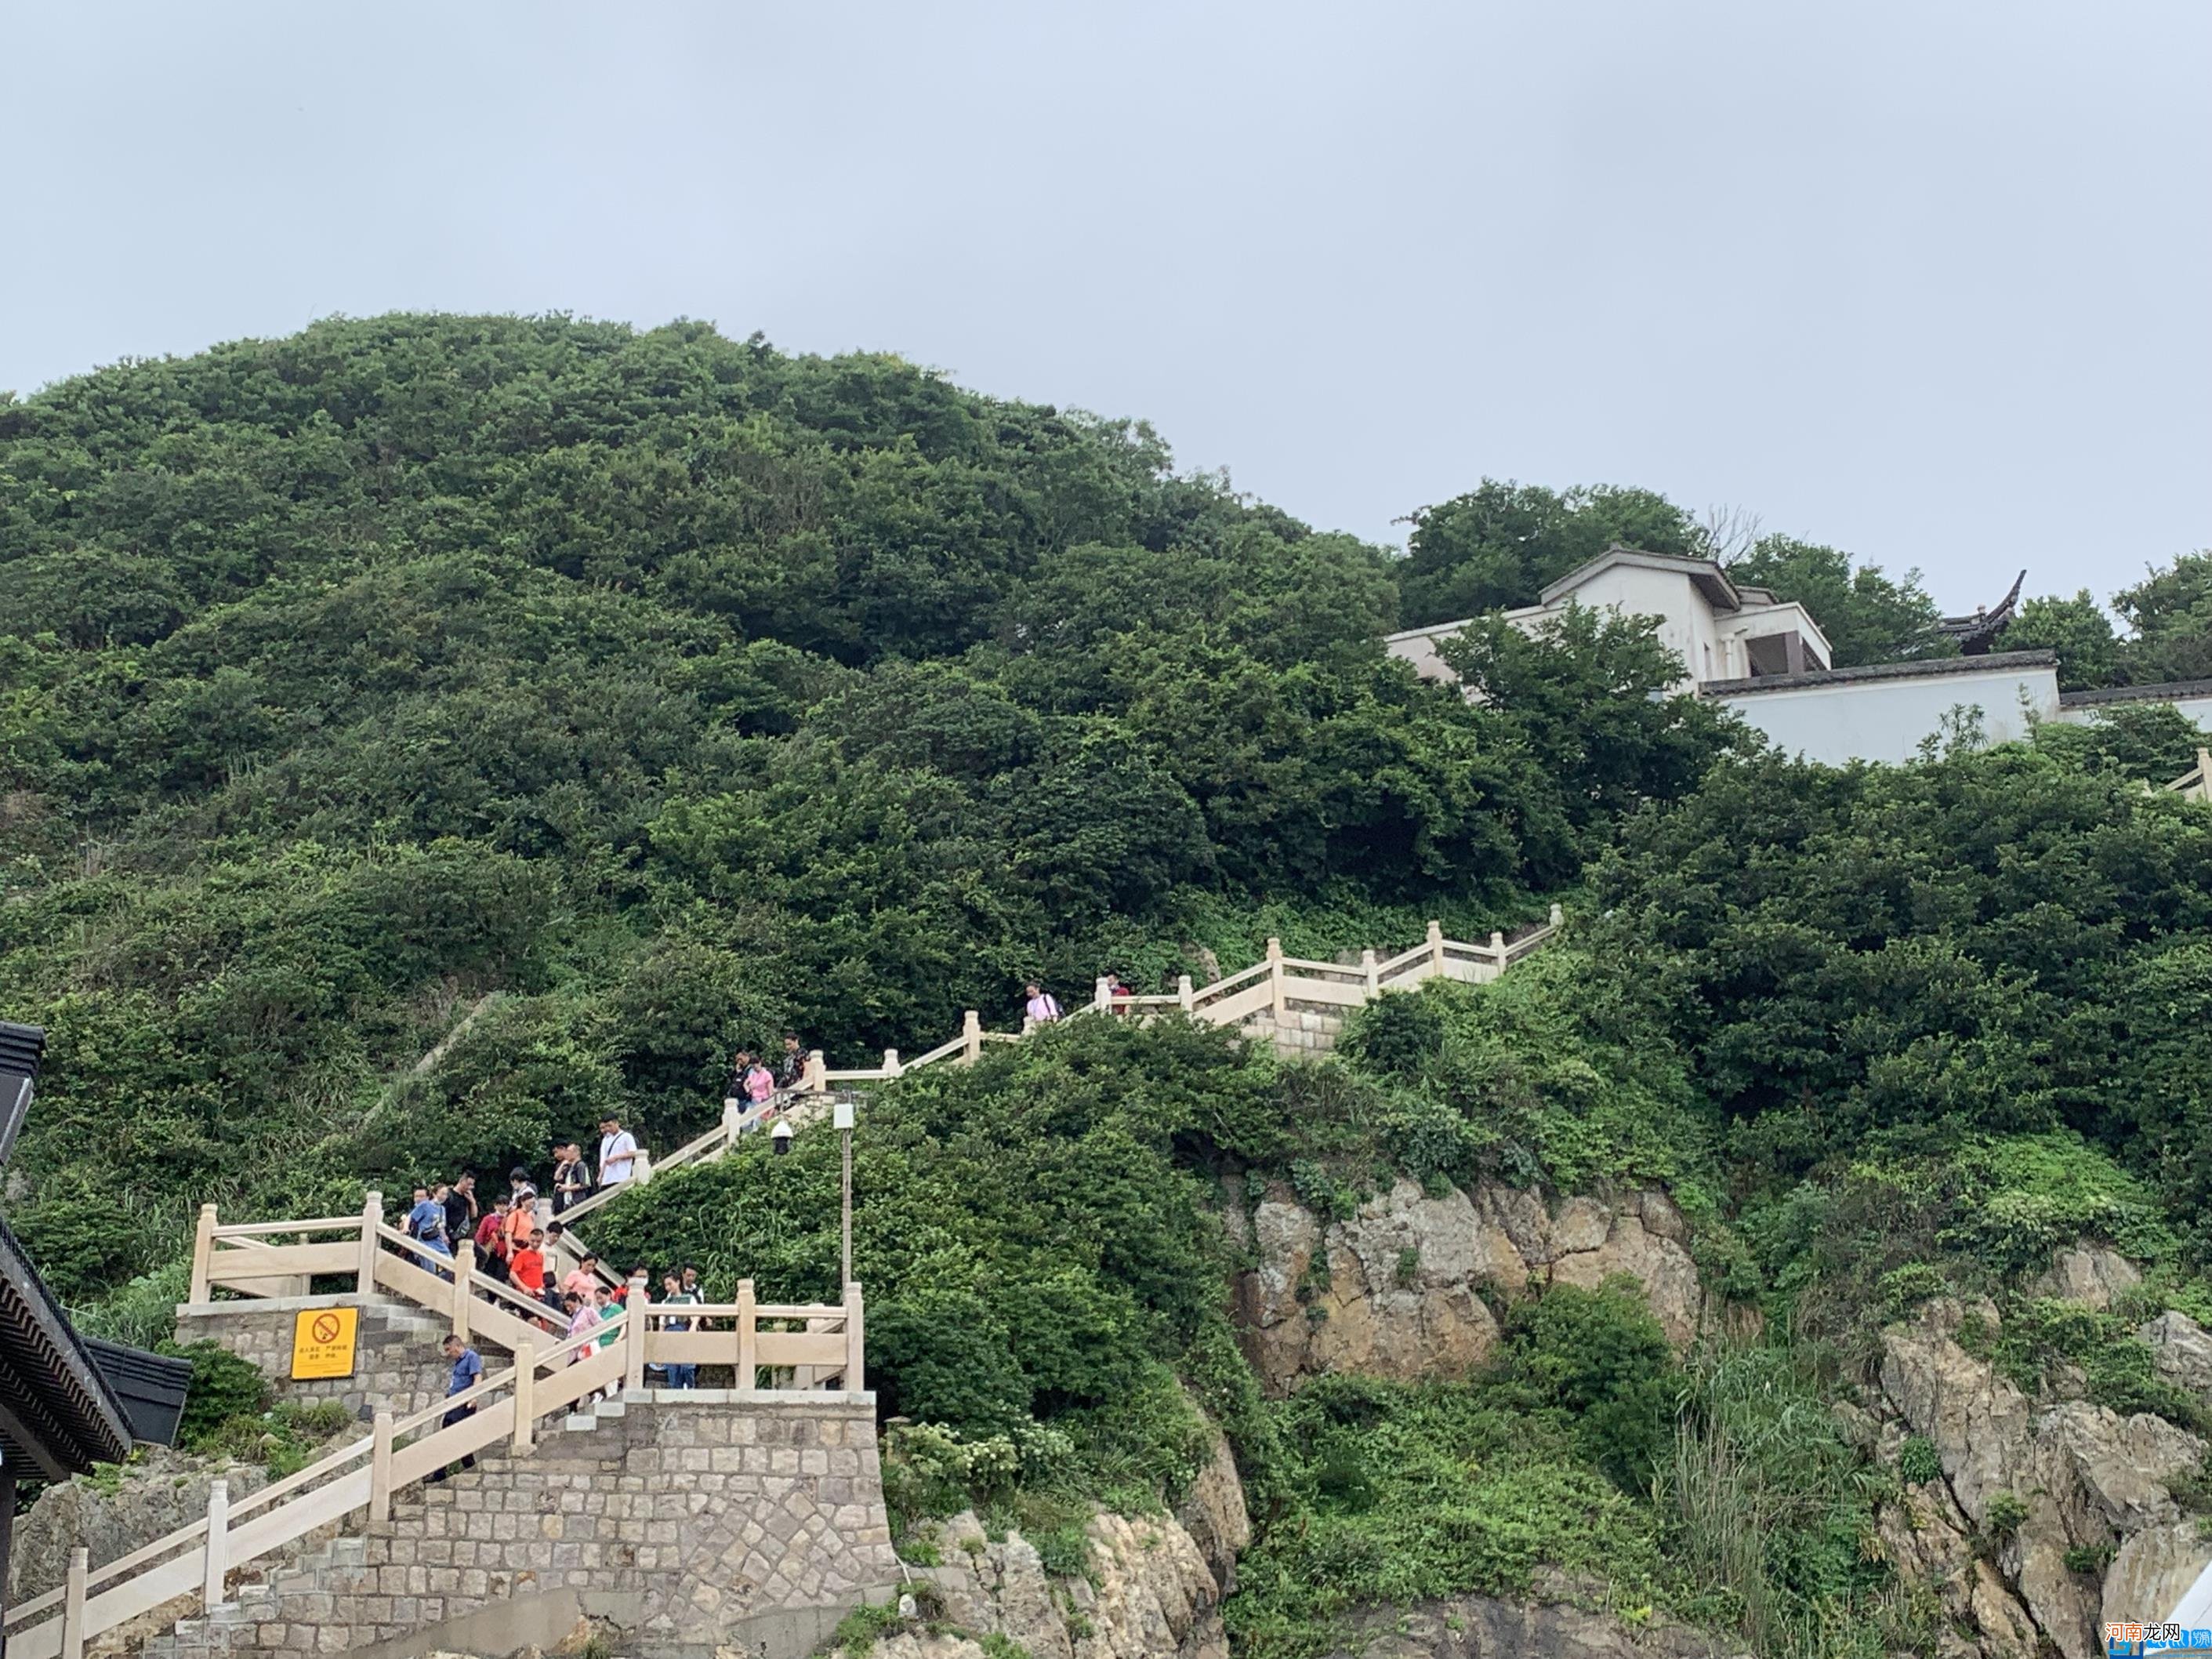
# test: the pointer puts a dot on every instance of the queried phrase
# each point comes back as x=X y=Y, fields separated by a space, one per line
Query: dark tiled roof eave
x=57 y=1414
x=2171 y=691
x=1926 y=668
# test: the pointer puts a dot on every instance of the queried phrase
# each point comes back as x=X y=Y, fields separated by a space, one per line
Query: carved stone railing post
x=372 y=1218
x=202 y=1251
x=217 y=1554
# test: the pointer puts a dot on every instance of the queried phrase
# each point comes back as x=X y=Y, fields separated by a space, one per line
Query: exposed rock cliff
x=1213 y=1513
x=1151 y=1586
x=116 y=1511
x=1146 y=1593
x=2036 y=1495
x=1403 y=1289
x=1478 y=1627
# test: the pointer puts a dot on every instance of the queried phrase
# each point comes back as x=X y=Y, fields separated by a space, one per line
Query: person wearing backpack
x=426 y=1222
x=571 y=1181
x=1043 y=1007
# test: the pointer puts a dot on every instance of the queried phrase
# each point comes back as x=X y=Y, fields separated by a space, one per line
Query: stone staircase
x=401 y=1576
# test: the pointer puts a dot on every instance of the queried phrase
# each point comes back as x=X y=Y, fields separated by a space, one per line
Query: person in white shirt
x=1041 y=1007
x=617 y=1152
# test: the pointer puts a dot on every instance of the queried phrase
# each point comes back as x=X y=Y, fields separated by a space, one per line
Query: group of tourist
x=582 y=1302
x=516 y=1245
x=443 y=1213
x=754 y=1079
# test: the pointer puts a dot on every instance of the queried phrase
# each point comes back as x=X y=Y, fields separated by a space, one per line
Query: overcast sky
x=1927 y=280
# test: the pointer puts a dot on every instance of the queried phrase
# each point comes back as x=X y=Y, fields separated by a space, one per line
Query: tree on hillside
x=2089 y=652
x=1584 y=698
x=1496 y=547
x=2170 y=612
x=1867 y=616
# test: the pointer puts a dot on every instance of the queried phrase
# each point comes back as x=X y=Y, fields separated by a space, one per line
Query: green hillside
x=670 y=692
x=422 y=732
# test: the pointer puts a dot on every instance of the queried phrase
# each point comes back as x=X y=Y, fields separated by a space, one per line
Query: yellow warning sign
x=322 y=1342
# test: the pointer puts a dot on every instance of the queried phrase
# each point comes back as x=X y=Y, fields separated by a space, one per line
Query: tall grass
x=1773 y=1516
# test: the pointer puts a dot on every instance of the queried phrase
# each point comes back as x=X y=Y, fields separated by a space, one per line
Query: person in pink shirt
x=582 y=1317
x=582 y=1279
x=759 y=1083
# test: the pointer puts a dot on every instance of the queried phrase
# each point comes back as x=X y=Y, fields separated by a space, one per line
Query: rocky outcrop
x=1146 y=1593
x=1213 y=1513
x=1926 y=1537
x=1404 y=1288
x=1978 y=1421
x=116 y=1511
x=1481 y=1627
x=2094 y=1275
x=2181 y=1349
x=2044 y=1490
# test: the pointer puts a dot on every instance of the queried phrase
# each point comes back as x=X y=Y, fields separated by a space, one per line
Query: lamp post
x=841 y=1116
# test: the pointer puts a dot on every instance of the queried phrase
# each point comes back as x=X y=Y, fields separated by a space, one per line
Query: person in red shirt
x=527 y=1267
x=491 y=1242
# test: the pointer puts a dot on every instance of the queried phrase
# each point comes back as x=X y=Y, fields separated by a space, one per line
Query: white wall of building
x=1710 y=645
x=1685 y=621
x=2196 y=709
x=1887 y=720
x=1418 y=646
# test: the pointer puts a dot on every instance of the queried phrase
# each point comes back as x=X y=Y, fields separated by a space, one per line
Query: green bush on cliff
x=1561 y=1074
x=1406 y=1493
x=1032 y=1246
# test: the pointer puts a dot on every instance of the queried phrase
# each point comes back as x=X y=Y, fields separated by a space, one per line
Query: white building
x=1720 y=629
x=1768 y=661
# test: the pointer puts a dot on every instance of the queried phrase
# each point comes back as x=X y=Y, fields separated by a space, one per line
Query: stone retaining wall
x=1306 y=1030
x=398 y=1366
x=694 y=1522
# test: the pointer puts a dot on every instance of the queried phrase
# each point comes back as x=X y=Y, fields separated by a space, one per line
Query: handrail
x=328 y=1464
x=1220 y=988
x=496 y=1407
x=1403 y=959
x=2197 y=782
x=942 y=1051
x=590 y=1201
x=1338 y=970
x=407 y=1244
x=496 y=1292
x=333 y=1224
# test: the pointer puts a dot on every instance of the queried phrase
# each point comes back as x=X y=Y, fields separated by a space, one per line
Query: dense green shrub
x=1560 y=1074
x=224 y=1388
x=1598 y=1361
x=1405 y=1494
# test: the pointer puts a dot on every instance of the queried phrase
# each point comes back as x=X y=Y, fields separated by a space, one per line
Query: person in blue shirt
x=426 y=1222
x=468 y=1371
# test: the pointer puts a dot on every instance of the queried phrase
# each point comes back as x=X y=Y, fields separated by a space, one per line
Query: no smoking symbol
x=325 y=1328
